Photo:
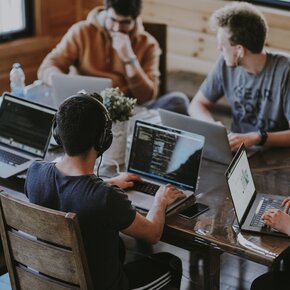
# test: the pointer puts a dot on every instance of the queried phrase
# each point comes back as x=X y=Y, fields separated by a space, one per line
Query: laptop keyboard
x=12 y=159
x=146 y=187
x=266 y=204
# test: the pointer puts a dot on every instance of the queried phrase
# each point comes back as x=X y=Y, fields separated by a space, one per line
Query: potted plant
x=120 y=109
x=118 y=105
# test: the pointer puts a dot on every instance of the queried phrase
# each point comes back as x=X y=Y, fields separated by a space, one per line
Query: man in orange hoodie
x=112 y=43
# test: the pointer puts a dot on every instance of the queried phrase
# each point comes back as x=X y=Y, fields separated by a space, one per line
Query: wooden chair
x=159 y=31
x=43 y=248
x=3 y=268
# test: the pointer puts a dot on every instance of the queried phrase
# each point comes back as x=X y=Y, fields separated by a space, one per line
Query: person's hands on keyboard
x=124 y=180
x=145 y=187
x=286 y=205
x=278 y=220
x=169 y=194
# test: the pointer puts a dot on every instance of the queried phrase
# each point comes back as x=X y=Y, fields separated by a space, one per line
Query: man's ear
x=241 y=51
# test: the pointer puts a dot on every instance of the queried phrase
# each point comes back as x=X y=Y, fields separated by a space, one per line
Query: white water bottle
x=17 y=80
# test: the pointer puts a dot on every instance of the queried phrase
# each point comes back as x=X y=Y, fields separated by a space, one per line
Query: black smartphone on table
x=194 y=210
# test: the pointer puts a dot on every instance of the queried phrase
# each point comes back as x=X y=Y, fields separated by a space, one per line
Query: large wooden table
x=215 y=231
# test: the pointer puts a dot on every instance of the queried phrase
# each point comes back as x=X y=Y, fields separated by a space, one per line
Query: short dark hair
x=246 y=24
x=79 y=124
x=125 y=7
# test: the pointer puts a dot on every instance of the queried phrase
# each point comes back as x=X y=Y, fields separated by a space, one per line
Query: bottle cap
x=16 y=65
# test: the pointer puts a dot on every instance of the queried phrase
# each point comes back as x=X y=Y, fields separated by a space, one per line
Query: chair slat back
x=42 y=247
x=159 y=32
x=46 y=224
x=29 y=280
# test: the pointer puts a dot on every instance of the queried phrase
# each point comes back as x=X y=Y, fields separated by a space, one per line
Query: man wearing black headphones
x=83 y=127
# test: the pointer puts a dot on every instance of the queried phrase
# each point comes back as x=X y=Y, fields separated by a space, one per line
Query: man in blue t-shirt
x=256 y=83
x=83 y=127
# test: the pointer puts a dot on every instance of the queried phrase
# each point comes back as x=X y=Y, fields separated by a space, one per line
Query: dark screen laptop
x=66 y=85
x=162 y=155
x=216 y=147
x=248 y=204
x=25 y=132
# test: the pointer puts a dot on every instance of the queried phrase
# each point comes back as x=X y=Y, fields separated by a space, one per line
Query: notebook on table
x=162 y=155
x=248 y=204
x=66 y=85
x=216 y=147
x=25 y=132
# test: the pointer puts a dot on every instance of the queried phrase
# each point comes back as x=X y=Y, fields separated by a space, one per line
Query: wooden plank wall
x=191 y=44
x=52 y=19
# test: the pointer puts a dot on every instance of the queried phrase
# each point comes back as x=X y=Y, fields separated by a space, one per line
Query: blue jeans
x=175 y=101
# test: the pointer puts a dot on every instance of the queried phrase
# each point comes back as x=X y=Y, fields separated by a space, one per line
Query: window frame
x=272 y=3
x=29 y=25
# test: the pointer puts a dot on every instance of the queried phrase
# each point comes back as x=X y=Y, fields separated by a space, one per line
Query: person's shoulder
x=102 y=190
x=108 y=188
x=221 y=61
x=98 y=182
x=40 y=165
x=220 y=65
x=81 y=27
x=93 y=22
x=39 y=170
x=149 y=38
x=103 y=186
x=281 y=58
x=142 y=35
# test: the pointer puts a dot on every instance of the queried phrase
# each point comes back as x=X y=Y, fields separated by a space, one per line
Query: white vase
x=117 y=151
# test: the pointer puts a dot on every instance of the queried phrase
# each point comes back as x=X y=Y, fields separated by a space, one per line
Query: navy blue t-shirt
x=103 y=210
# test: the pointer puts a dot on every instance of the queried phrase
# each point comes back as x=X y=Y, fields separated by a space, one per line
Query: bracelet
x=264 y=136
x=131 y=60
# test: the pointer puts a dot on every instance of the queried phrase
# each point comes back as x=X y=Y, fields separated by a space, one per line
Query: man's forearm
x=200 y=107
x=140 y=85
x=156 y=215
x=198 y=111
x=278 y=139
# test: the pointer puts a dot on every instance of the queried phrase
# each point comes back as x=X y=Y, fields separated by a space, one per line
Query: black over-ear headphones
x=104 y=141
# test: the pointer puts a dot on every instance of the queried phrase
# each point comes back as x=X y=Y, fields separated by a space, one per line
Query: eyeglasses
x=124 y=23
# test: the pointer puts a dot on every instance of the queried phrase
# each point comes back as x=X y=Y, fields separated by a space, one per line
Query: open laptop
x=64 y=86
x=216 y=147
x=25 y=132
x=249 y=205
x=162 y=155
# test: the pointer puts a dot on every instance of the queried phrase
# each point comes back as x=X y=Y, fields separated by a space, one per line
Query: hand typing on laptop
x=249 y=139
x=168 y=194
x=124 y=180
x=278 y=219
x=286 y=205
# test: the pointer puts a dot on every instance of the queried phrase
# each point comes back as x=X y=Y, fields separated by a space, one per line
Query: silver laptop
x=64 y=86
x=25 y=131
x=216 y=146
x=249 y=205
x=162 y=155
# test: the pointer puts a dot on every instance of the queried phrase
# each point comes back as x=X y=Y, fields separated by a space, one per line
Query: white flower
x=118 y=105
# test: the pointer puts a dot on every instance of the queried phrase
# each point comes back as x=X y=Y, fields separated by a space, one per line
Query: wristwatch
x=131 y=60
x=264 y=136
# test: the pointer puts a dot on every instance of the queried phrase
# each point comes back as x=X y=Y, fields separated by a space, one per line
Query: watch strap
x=130 y=60
x=264 y=136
